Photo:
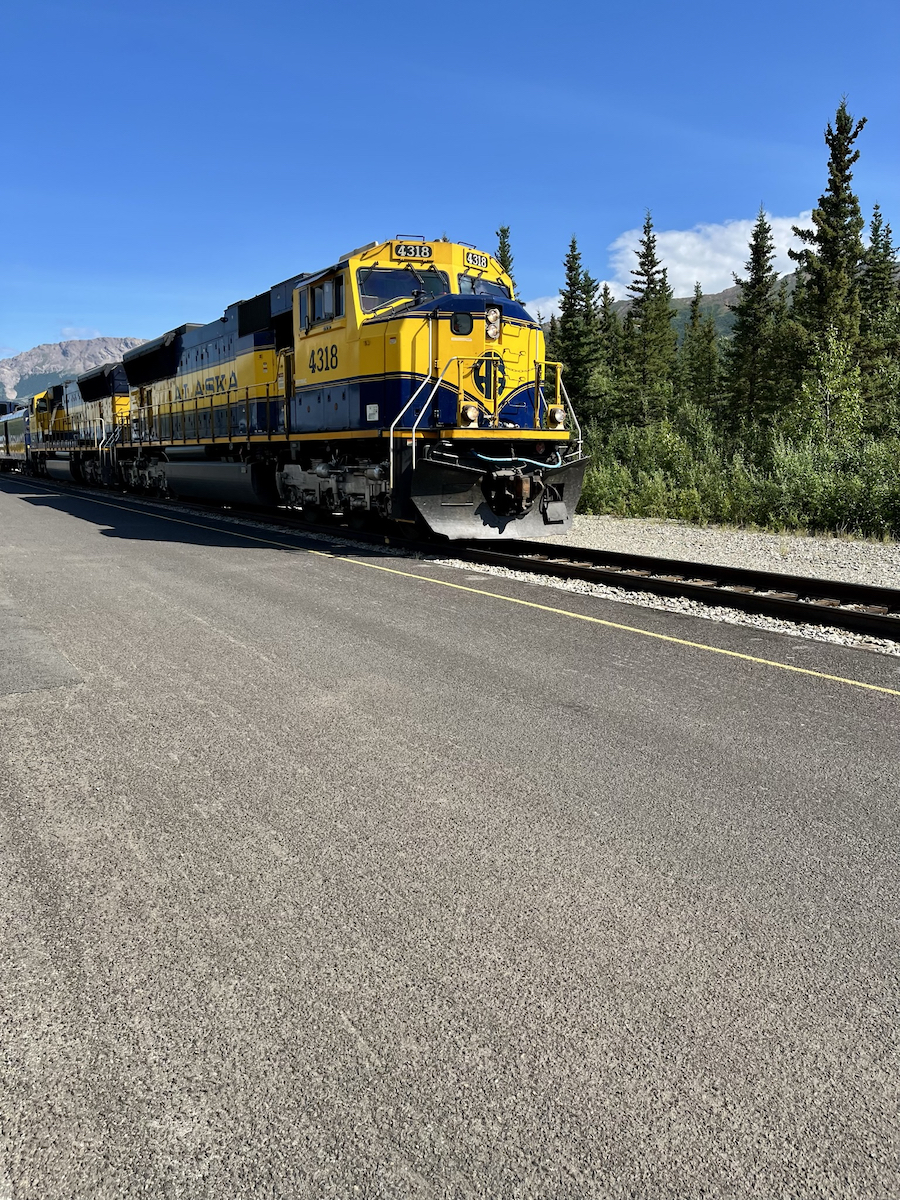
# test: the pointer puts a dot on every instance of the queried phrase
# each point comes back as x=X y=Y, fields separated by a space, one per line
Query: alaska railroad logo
x=212 y=386
x=490 y=371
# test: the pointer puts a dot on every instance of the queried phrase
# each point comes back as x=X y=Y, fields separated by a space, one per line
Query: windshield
x=378 y=285
x=470 y=285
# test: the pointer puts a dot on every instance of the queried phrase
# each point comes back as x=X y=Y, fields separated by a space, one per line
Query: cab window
x=380 y=285
x=470 y=285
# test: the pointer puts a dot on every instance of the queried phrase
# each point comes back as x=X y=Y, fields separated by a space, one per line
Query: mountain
x=716 y=304
x=33 y=370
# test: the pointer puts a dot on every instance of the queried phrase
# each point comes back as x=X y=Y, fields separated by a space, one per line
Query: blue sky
x=161 y=160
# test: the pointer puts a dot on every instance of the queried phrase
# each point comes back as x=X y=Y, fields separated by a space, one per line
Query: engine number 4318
x=323 y=358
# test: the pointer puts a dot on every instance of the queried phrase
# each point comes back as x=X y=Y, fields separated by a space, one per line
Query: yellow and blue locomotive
x=404 y=382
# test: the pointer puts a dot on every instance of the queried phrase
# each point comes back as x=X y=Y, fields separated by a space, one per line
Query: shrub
x=780 y=478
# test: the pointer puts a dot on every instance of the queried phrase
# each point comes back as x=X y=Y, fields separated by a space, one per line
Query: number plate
x=412 y=250
x=474 y=259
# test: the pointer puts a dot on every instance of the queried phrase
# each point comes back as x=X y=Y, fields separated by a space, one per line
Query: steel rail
x=796 y=598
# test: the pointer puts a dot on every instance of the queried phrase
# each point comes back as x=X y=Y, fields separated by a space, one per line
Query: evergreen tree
x=650 y=342
x=552 y=347
x=593 y=352
x=879 y=349
x=609 y=331
x=698 y=357
x=879 y=291
x=788 y=352
x=575 y=341
x=751 y=393
x=504 y=254
x=832 y=256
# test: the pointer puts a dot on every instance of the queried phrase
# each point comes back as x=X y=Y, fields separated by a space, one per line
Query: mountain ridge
x=32 y=371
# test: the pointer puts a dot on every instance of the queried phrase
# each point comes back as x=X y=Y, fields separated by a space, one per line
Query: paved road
x=322 y=880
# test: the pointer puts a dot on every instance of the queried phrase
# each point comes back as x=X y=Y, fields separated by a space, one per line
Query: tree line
x=790 y=421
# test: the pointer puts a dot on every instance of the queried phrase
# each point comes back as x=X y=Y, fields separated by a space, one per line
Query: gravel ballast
x=845 y=559
x=834 y=558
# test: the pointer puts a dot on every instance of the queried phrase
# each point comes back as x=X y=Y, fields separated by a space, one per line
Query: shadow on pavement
x=121 y=517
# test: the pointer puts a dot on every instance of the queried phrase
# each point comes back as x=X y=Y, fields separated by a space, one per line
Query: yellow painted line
x=559 y=612
x=565 y=612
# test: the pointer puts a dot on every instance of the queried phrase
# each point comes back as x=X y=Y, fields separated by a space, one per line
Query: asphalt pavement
x=348 y=875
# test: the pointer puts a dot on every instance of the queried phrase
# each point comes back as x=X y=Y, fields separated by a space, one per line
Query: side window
x=304 y=309
x=326 y=300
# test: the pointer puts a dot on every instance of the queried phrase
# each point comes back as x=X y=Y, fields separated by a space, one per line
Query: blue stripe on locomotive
x=343 y=406
x=337 y=408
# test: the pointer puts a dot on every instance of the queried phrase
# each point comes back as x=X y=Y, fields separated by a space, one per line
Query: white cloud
x=708 y=253
x=78 y=332
x=549 y=305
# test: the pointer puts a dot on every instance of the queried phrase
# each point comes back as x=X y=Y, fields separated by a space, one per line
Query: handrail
x=560 y=393
x=109 y=439
x=405 y=409
x=571 y=409
x=459 y=358
x=424 y=408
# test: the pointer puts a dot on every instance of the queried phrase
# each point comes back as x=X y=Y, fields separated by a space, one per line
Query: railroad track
x=795 y=598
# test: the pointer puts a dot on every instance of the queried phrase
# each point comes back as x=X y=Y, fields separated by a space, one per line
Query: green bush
x=687 y=468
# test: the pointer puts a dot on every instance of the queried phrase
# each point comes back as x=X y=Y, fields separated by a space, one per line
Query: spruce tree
x=788 y=351
x=879 y=290
x=879 y=346
x=504 y=254
x=748 y=358
x=831 y=259
x=602 y=401
x=708 y=369
x=651 y=341
x=552 y=346
x=592 y=349
x=609 y=333
x=575 y=341
x=698 y=357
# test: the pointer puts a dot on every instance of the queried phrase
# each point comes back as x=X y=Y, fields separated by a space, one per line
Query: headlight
x=556 y=417
x=470 y=414
x=492 y=322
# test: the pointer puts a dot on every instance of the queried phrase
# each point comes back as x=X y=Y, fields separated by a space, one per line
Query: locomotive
x=403 y=383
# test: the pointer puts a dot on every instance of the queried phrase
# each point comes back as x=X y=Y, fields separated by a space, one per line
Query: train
x=404 y=383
